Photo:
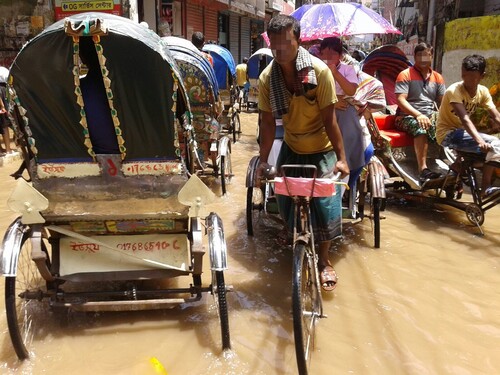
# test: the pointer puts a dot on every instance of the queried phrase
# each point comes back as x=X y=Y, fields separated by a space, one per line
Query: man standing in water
x=299 y=88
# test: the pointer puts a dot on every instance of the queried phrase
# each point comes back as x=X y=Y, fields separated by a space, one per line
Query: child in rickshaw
x=455 y=128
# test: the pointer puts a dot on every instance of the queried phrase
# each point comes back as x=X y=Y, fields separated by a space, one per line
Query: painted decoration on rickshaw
x=120 y=253
x=151 y=168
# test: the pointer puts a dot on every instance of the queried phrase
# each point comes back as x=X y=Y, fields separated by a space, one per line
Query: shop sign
x=66 y=8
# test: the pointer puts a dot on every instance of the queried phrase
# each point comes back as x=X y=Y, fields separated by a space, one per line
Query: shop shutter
x=245 y=49
x=234 y=36
x=194 y=19
x=211 y=29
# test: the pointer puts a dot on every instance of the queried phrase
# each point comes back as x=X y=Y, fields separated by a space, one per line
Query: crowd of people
x=315 y=96
x=322 y=99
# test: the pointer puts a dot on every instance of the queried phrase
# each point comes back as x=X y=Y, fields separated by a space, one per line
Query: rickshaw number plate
x=123 y=253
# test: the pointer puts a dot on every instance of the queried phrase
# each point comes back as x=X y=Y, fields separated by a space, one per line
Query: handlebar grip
x=270 y=172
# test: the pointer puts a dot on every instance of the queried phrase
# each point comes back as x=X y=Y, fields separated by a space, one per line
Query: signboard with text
x=66 y=8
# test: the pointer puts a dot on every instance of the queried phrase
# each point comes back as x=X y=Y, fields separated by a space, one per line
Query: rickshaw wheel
x=376 y=204
x=236 y=126
x=21 y=319
x=219 y=293
x=475 y=214
x=226 y=169
x=255 y=205
x=305 y=305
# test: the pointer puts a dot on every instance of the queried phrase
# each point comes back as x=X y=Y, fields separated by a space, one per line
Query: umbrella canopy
x=341 y=19
x=321 y=21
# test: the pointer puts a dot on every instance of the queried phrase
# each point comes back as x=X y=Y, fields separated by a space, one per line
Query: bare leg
x=6 y=138
x=324 y=259
x=327 y=276
x=421 y=146
x=486 y=181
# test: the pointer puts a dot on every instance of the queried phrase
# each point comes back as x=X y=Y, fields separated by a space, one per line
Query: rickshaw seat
x=397 y=138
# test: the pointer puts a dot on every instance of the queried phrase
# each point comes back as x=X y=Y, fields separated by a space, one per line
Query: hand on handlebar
x=342 y=168
x=264 y=170
x=485 y=147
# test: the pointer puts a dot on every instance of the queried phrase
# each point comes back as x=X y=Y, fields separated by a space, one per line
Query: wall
x=463 y=37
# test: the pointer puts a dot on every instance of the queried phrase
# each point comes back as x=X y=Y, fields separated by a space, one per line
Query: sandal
x=328 y=278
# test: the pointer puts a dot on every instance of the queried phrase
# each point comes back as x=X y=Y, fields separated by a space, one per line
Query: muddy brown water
x=426 y=302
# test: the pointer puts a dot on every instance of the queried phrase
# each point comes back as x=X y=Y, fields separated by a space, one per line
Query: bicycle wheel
x=255 y=205
x=376 y=204
x=226 y=171
x=306 y=304
x=21 y=319
x=219 y=292
x=236 y=126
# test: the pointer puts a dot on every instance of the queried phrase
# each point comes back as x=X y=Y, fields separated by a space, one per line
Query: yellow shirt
x=303 y=124
x=456 y=93
x=241 y=74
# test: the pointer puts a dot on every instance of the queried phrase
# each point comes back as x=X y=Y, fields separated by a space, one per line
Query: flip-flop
x=328 y=278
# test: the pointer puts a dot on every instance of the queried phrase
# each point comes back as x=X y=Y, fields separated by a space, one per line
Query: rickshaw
x=105 y=231
x=255 y=65
x=395 y=150
x=206 y=106
x=385 y=63
x=225 y=72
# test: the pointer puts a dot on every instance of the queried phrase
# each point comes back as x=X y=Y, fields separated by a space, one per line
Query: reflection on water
x=426 y=302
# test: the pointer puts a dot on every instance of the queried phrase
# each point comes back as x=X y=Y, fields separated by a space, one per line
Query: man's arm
x=459 y=110
x=333 y=131
x=267 y=129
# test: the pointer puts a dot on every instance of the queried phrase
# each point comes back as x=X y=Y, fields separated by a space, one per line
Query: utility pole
x=430 y=20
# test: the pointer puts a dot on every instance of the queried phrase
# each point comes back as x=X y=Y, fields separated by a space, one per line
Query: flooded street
x=426 y=302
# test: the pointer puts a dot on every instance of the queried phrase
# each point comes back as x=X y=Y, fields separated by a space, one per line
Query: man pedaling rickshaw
x=455 y=128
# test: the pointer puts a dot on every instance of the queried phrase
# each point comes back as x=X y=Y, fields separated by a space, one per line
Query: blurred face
x=423 y=60
x=471 y=79
x=284 y=46
x=330 y=57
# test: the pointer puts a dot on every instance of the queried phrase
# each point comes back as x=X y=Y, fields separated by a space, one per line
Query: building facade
x=235 y=24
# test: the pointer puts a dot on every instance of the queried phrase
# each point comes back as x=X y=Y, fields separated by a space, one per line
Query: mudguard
x=216 y=243
x=251 y=171
x=377 y=174
x=224 y=146
x=11 y=246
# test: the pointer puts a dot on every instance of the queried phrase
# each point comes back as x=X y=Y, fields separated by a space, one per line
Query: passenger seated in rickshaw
x=198 y=39
x=419 y=90
x=96 y=105
x=346 y=84
x=455 y=128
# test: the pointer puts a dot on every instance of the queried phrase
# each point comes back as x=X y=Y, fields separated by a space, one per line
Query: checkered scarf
x=306 y=80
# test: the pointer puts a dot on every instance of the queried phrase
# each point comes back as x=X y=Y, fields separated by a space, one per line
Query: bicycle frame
x=307 y=304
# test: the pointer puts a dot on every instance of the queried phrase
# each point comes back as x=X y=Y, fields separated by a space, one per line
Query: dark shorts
x=409 y=124
x=4 y=121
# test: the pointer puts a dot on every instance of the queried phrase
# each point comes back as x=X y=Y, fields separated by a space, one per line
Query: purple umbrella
x=299 y=12
x=321 y=21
